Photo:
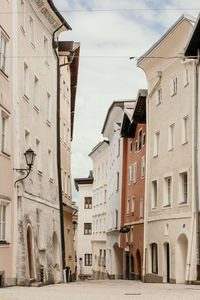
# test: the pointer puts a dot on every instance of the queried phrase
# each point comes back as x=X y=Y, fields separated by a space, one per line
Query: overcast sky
x=110 y=31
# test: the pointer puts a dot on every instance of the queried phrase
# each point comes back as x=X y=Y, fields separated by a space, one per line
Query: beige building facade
x=169 y=223
x=99 y=156
x=38 y=254
x=6 y=149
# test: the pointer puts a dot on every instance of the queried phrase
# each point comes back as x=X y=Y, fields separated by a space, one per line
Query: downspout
x=155 y=87
x=55 y=46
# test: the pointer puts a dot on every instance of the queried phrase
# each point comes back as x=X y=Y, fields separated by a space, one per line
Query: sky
x=111 y=31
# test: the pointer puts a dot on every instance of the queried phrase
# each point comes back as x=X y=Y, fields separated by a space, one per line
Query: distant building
x=69 y=60
x=99 y=156
x=169 y=224
x=133 y=132
x=84 y=187
x=111 y=130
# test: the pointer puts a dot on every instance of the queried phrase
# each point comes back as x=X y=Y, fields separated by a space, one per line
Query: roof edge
x=98 y=146
x=62 y=19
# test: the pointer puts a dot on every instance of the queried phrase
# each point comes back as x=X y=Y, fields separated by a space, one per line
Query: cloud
x=106 y=74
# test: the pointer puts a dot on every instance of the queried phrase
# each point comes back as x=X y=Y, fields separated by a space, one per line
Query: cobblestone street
x=104 y=290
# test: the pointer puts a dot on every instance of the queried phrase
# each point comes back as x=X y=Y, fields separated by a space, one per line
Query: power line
x=107 y=10
x=105 y=56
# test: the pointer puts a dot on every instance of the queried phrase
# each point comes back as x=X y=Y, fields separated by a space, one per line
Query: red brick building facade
x=133 y=188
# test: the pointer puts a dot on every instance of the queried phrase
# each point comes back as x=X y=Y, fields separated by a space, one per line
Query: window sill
x=33 y=46
x=5 y=154
x=4 y=243
x=3 y=74
x=154 y=208
x=36 y=109
x=51 y=180
x=26 y=98
x=132 y=214
x=155 y=155
x=46 y=63
x=173 y=94
x=170 y=149
x=157 y=104
x=186 y=84
x=181 y=204
x=142 y=177
x=184 y=143
x=167 y=206
x=39 y=172
x=23 y=30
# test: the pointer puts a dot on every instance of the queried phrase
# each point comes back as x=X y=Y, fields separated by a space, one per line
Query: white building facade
x=111 y=130
x=99 y=156
x=37 y=228
x=84 y=187
x=169 y=232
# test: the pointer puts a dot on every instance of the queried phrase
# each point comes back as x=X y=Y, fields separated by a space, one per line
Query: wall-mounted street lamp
x=124 y=230
x=29 y=157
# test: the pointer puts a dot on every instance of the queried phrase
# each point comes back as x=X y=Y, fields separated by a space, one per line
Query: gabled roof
x=194 y=40
x=165 y=35
x=98 y=146
x=68 y=27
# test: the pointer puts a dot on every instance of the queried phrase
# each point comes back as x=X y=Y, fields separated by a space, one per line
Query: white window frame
x=50 y=164
x=156 y=143
x=133 y=205
x=186 y=76
x=141 y=208
x=5 y=132
x=49 y=107
x=3 y=51
x=142 y=167
x=27 y=139
x=46 y=49
x=174 y=86
x=154 y=194
x=129 y=175
x=185 y=130
x=171 y=138
x=26 y=80
x=32 y=30
x=23 y=16
x=167 y=201
x=182 y=200
x=159 y=96
x=39 y=155
x=5 y=237
x=36 y=92
x=128 y=207
x=134 y=172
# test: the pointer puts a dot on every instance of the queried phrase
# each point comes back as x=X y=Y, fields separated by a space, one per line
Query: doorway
x=30 y=254
x=166 y=262
x=138 y=257
x=181 y=258
x=127 y=266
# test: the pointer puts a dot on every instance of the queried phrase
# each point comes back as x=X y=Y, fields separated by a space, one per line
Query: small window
x=87 y=228
x=88 y=202
x=129 y=174
x=184 y=187
x=133 y=205
x=159 y=96
x=48 y=108
x=3 y=52
x=140 y=140
x=36 y=95
x=154 y=258
x=156 y=143
x=185 y=129
x=50 y=164
x=174 y=85
x=5 y=133
x=128 y=207
x=118 y=152
x=88 y=260
x=171 y=137
x=27 y=138
x=116 y=219
x=136 y=146
x=131 y=146
x=144 y=139
x=142 y=167
x=3 y=212
x=141 y=208
x=154 y=194
x=186 y=77
x=117 y=188
x=135 y=172
x=168 y=191
x=26 y=81
x=39 y=155
x=32 y=37
x=46 y=49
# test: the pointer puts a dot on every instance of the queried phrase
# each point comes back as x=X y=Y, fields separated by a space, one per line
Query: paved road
x=103 y=290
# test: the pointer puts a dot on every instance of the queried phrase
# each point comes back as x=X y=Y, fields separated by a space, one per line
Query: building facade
x=84 y=187
x=7 y=236
x=133 y=132
x=38 y=233
x=99 y=156
x=111 y=131
x=68 y=60
x=169 y=232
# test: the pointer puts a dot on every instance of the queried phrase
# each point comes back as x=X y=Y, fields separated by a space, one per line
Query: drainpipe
x=55 y=46
x=155 y=87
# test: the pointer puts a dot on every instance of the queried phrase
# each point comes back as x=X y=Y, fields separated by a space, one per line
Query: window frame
x=87 y=228
x=88 y=259
x=87 y=203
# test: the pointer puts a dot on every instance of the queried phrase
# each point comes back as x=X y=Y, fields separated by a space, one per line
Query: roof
x=194 y=41
x=165 y=35
x=59 y=15
x=72 y=46
x=119 y=103
x=98 y=146
x=88 y=180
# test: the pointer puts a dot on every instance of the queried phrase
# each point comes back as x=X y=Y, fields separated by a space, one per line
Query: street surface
x=103 y=290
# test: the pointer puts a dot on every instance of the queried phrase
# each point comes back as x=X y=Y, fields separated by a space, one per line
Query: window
x=118 y=152
x=131 y=146
x=128 y=207
x=69 y=185
x=3 y=222
x=136 y=145
x=133 y=205
x=117 y=181
x=32 y=37
x=140 y=140
x=186 y=79
x=174 y=83
x=142 y=167
x=105 y=196
x=144 y=139
x=46 y=48
x=171 y=137
x=159 y=96
x=48 y=108
x=27 y=138
x=87 y=228
x=50 y=164
x=129 y=174
x=5 y=136
x=184 y=187
x=141 y=208
x=36 y=96
x=154 y=194
x=3 y=50
x=26 y=81
x=88 y=260
x=168 y=191
x=39 y=155
x=65 y=133
x=135 y=172
x=69 y=242
x=65 y=182
x=88 y=202
x=185 y=129
x=23 y=15
x=116 y=219
x=156 y=143
x=154 y=258
x=132 y=263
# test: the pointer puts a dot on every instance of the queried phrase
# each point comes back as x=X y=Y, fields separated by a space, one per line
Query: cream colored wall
x=166 y=224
